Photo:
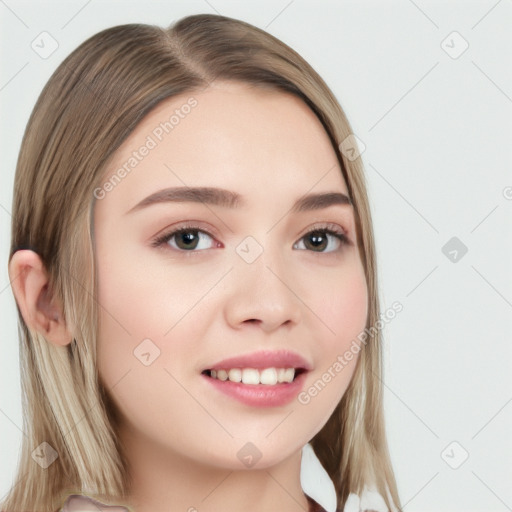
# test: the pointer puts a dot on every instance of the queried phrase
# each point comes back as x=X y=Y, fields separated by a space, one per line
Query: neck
x=165 y=481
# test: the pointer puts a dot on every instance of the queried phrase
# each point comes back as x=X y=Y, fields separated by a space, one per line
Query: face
x=252 y=273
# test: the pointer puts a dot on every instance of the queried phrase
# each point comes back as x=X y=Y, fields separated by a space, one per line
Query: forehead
x=261 y=143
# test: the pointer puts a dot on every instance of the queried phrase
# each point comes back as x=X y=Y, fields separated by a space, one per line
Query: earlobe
x=30 y=285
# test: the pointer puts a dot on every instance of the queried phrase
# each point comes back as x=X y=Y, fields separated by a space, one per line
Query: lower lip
x=260 y=395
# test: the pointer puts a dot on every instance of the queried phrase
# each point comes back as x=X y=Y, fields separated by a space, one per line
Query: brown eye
x=187 y=239
x=319 y=239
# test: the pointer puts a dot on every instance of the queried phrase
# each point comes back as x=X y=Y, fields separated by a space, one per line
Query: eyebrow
x=228 y=199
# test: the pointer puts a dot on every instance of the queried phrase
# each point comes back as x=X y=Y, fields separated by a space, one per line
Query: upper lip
x=264 y=359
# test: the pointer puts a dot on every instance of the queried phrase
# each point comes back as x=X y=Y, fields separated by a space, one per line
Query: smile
x=253 y=376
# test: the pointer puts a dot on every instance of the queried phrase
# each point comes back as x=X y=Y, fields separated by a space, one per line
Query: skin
x=181 y=435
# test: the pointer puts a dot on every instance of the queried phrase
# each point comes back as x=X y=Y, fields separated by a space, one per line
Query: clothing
x=315 y=507
x=369 y=502
x=79 y=503
x=315 y=481
x=319 y=488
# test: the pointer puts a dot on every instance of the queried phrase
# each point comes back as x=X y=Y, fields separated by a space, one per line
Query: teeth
x=281 y=374
x=288 y=375
x=235 y=375
x=268 y=376
x=248 y=376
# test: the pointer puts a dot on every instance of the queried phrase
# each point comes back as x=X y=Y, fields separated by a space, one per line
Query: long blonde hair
x=89 y=106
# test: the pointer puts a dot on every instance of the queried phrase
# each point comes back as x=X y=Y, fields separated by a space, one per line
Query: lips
x=247 y=379
x=261 y=360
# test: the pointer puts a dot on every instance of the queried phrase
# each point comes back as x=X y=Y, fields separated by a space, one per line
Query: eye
x=188 y=238
x=191 y=238
x=329 y=237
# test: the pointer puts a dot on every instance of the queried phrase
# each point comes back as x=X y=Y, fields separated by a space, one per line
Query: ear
x=30 y=285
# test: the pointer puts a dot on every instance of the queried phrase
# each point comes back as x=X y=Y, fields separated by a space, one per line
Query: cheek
x=144 y=309
x=343 y=308
x=138 y=308
x=128 y=310
x=343 y=311
x=349 y=308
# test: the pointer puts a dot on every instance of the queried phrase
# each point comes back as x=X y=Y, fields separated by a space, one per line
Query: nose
x=262 y=294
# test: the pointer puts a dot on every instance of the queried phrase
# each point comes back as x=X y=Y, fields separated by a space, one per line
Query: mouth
x=253 y=376
x=266 y=387
x=268 y=378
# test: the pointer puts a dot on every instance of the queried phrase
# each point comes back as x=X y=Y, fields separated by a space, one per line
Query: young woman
x=194 y=267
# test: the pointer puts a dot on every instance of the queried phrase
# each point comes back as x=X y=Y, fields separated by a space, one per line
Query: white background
x=437 y=131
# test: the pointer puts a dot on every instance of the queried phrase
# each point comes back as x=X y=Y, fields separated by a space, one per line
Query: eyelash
x=329 y=229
